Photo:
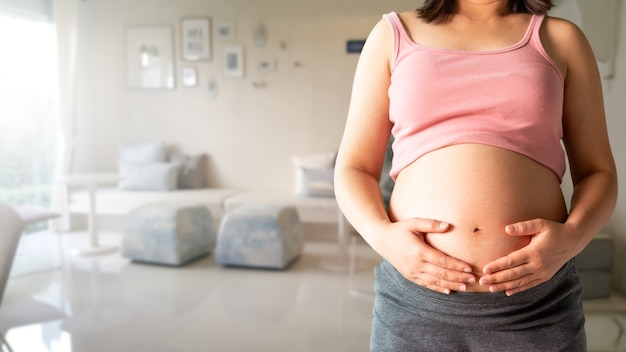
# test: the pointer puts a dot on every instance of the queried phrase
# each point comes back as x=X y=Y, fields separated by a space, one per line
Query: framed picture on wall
x=190 y=76
x=150 y=57
x=196 y=39
x=233 y=61
x=226 y=31
x=266 y=65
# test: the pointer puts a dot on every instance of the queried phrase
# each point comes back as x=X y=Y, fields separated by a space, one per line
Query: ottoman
x=168 y=233
x=260 y=235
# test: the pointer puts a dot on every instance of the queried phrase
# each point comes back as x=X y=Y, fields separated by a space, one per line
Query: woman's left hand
x=550 y=247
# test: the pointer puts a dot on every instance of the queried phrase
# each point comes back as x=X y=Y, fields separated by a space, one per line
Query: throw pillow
x=318 y=182
x=192 y=170
x=148 y=176
x=142 y=153
x=308 y=171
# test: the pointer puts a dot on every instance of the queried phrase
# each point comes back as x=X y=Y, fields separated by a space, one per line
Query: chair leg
x=352 y=268
x=4 y=342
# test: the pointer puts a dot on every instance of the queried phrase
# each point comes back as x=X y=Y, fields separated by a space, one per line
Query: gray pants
x=409 y=317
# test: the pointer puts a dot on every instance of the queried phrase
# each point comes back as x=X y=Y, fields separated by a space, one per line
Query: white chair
x=11 y=226
x=33 y=214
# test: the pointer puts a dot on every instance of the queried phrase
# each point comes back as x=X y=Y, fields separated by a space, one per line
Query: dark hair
x=440 y=10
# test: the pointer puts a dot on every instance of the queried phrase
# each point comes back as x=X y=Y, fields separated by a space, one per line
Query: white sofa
x=113 y=201
x=310 y=209
x=148 y=175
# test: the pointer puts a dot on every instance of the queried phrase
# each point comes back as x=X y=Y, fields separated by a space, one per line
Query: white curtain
x=65 y=19
x=27 y=8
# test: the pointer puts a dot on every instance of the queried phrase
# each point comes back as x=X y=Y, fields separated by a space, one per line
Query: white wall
x=596 y=26
x=251 y=134
x=615 y=102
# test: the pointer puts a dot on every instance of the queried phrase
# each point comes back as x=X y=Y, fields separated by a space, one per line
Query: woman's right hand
x=405 y=248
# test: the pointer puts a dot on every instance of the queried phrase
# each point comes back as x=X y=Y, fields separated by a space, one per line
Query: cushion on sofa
x=142 y=153
x=148 y=176
x=314 y=174
x=318 y=182
x=192 y=170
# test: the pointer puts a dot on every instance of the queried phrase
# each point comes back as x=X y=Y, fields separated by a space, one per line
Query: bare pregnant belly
x=479 y=190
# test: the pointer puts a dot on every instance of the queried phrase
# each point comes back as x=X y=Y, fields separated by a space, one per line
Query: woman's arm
x=592 y=168
x=358 y=168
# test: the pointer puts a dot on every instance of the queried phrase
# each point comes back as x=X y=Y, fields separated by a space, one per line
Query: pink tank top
x=510 y=98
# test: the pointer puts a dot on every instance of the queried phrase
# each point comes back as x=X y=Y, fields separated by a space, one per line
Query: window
x=27 y=110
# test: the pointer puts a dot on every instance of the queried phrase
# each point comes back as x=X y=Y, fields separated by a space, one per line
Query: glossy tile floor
x=106 y=303
x=64 y=303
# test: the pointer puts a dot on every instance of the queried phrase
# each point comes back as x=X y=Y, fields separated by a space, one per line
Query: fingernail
x=463 y=288
x=467 y=270
x=443 y=225
x=471 y=280
x=446 y=291
x=492 y=289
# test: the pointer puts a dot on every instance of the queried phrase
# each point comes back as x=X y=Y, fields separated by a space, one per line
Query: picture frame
x=234 y=61
x=225 y=31
x=150 y=57
x=266 y=65
x=355 y=46
x=190 y=76
x=196 y=39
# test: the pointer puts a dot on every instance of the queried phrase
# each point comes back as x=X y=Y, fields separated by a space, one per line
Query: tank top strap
x=535 y=26
x=399 y=33
x=536 y=44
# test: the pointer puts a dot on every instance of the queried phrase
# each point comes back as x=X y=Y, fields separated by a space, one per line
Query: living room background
x=251 y=133
x=255 y=124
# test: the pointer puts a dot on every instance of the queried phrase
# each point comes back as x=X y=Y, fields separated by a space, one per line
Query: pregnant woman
x=477 y=243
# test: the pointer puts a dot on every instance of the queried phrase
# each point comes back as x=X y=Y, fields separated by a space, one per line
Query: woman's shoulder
x=564 y=41
x=562 y=30
x=410 y=17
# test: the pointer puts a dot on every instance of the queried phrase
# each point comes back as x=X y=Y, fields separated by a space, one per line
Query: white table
x=31 y=214
x=340 y=263
x=345 y=260
x=91 y=181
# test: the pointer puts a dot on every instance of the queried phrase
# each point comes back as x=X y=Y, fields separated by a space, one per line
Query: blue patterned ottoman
x=262 y=236
x=168 y=233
